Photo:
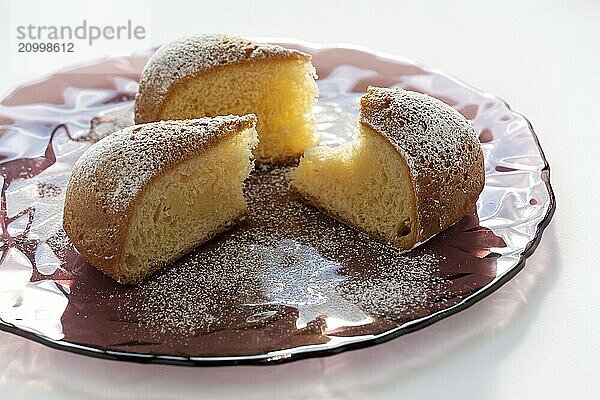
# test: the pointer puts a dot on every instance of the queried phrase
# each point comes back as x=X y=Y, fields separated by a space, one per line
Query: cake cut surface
x=212 y=75
x=360 y=183
x=415 y=168
x=147 y=194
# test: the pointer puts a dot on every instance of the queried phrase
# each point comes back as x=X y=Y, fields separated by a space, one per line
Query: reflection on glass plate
x=288 y=282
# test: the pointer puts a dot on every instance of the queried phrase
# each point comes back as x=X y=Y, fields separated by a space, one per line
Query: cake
x=414 y=168
x=147 y=194
x=212 y=75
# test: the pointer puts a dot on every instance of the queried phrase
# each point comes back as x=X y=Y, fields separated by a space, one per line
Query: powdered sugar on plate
x=284 y=256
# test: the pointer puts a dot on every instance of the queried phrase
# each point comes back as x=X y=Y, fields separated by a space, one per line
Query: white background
x=536 y=338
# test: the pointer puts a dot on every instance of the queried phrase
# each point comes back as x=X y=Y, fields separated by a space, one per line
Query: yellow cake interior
x=365 y=183
x=280 y=92
x=186 y=206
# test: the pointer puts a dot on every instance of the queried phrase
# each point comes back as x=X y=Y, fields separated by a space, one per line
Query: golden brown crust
x=440 y=147
x=108 y=180
x=187 y=58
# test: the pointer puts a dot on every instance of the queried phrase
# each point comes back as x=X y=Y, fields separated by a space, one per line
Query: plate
x=286 y=283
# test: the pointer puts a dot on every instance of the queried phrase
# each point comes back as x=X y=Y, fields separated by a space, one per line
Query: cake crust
x=440 y=148
x=187 y=58
x=108 y=180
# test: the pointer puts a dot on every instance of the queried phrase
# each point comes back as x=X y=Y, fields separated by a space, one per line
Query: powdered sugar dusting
x=119 y=165
x=431 y=135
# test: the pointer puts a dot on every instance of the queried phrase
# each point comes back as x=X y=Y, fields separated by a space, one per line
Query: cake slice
x=147 y=194
x=211 y=75
x=415 y=168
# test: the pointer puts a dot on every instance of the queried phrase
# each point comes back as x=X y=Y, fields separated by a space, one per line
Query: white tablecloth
x=537 y=337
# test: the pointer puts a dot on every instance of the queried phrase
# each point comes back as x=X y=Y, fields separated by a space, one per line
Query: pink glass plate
x=288 y=282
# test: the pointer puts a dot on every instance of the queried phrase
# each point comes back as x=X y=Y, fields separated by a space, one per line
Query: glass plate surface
x=286 y=283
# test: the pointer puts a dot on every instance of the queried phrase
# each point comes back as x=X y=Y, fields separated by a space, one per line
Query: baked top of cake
x=190 y=56
x=123 y=167
x=439 y=145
